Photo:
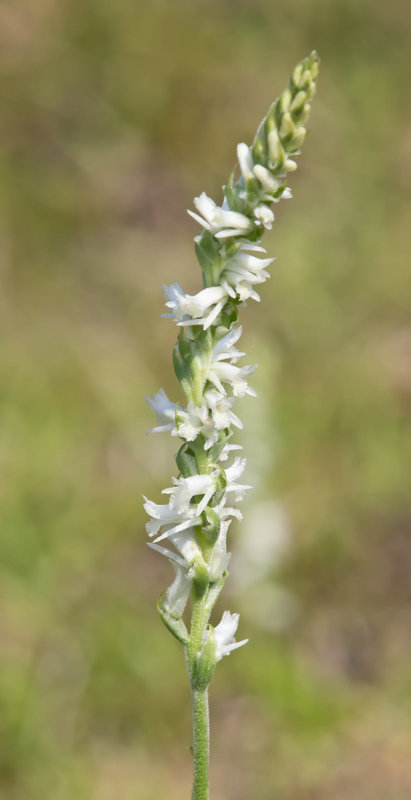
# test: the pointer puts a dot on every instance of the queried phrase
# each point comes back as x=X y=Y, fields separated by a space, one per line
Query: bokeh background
x=114 y=114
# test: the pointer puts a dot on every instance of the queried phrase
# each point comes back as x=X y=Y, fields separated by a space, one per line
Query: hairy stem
x=201 y=746
x=199 y=698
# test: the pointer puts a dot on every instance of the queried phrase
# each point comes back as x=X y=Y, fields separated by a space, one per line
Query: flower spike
x=204 y=496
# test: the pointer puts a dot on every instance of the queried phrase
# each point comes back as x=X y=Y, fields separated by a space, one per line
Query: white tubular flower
x=220 y=220
x=221 y=414
x=185 y=489
x=170 y=519
x=264 y=216
x=242 y=271
x=238 y=490
x=202 y=308
x=232 y=473
x=224 y=635
x=214 y=415
x=196 y=419
x=220 y=371
x=224 y=347
x=165 y=411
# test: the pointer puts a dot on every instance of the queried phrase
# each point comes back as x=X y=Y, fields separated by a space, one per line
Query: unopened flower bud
x=298 y=75
x=287 y=126
x=285 y=100
x=298 y=101
x=290 y=165
x=298 y=138
x=274 y=146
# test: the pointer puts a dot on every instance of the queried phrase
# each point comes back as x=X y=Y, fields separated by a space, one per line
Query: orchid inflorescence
x=203 y=498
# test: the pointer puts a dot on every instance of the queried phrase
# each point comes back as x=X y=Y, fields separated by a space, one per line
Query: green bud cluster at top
x=276 y=144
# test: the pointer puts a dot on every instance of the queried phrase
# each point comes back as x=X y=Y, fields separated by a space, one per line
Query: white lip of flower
x=220 y=221
x=202 y=308
x=185 y=489
x=227 y=449
x=242 y=271
x=165 y=411
x=163 y=516
x=220 y=406
x=236 y=376
x=224 y=634
x=224 y=347
x=264 y=216
x=232 y=473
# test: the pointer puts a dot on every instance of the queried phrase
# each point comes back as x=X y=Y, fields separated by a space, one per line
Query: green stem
x=199 y=697
x=201 y=737
x=199 y=620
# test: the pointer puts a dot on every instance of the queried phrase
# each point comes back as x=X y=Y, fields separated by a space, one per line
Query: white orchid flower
x=224 y=634
x=165 y=411
x=220 y=220
x=202 y=308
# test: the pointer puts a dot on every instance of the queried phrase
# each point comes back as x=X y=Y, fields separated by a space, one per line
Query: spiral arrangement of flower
x=191 y=528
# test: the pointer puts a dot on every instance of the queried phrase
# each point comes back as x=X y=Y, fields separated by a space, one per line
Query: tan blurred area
x=113 y=115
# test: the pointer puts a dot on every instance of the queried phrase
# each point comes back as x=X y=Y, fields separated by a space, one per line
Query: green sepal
x=172 y=621
x=201 y=577
x=215 y=451
x=221 y=484
x=210 y=524
x=182 y=371
x=186 y=460
x=205 y=663
x=229 y=314
x=214 y=591
x=259 y=147
x=232 y=193
x=185 y=346
x=208 y=253
x=189 y=356
x=253 y=194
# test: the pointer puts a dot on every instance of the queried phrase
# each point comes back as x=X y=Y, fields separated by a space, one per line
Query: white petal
x=245 y=161
x=202 y=221
x=179 y=591
x=206 y=206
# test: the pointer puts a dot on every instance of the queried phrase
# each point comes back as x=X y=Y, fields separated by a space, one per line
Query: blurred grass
x=114 y=114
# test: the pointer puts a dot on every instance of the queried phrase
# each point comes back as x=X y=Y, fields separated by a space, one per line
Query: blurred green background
x=114 y=114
